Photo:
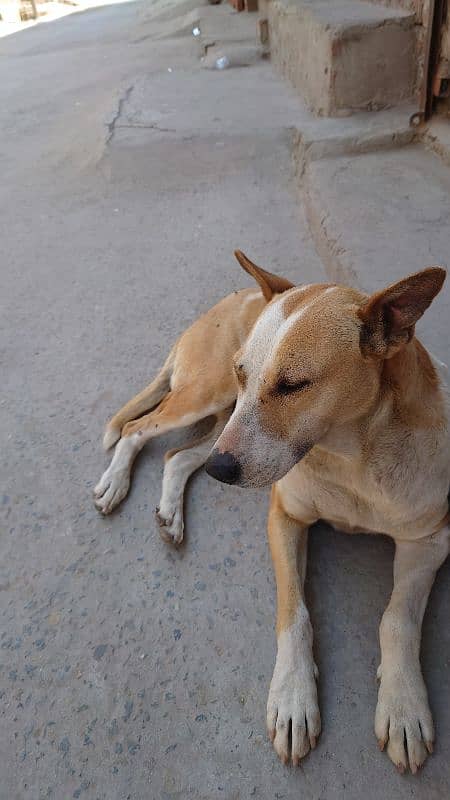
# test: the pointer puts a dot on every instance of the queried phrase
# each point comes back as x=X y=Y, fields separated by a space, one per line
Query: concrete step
x=315 y=138
x=378 y=217
x=344 y=55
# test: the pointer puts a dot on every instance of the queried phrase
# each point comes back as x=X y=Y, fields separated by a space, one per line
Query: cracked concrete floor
x=129 y=670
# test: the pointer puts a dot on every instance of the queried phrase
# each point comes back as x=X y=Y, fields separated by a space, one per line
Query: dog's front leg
x=403 y=718
x=293 y=717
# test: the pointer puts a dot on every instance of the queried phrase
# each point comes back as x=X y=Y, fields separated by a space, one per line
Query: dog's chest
x=340 y=493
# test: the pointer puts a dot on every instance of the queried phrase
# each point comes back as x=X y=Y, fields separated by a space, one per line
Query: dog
x=325 y=394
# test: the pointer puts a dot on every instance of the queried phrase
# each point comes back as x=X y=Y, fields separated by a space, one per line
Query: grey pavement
x=128 y=670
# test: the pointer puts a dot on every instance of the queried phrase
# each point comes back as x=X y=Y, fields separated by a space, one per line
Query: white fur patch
x=260 y=342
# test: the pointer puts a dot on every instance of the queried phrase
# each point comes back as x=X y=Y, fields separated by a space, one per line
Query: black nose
x=223 y=467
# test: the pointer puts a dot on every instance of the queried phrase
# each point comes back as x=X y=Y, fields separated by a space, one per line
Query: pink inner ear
x=402 y=310
x=398 y=316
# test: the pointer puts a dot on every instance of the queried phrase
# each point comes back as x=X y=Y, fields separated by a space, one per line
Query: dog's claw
x=403 y=721
x=171 y=529
x=293 y=718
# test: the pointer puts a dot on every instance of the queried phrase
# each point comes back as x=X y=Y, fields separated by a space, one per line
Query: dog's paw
x=171 y=526
x=293 y=716
x=111 y=489
x=403 y=720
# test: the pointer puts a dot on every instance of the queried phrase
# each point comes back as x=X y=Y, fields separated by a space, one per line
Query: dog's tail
x=145 y=401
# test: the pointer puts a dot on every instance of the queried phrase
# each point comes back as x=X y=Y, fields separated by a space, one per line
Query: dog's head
x=311 y=364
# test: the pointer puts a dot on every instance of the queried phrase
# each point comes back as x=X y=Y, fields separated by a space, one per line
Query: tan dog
x=342 y=410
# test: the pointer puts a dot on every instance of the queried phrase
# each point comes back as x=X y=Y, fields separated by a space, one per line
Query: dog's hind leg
x=177 y=410
x=141 y=403
x=180 y=464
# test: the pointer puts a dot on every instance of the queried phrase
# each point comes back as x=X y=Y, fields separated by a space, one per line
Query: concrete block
x=344 y=55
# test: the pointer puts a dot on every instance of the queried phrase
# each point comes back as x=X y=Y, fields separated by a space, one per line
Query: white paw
x=293 y=716
x=403 y=719
x=111 y=489
x=171 y=525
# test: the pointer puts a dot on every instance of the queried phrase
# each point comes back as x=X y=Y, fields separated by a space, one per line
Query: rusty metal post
x=435 y=17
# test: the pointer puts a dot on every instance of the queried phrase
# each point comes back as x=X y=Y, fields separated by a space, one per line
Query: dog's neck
x=410 y=397
x=411 y=384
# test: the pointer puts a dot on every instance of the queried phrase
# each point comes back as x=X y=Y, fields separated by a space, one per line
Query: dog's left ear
x=389 y=316
x=270 y=284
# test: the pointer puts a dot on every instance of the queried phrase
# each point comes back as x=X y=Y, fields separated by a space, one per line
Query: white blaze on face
x=259 y=345
x=265 y=337
x=243 y=435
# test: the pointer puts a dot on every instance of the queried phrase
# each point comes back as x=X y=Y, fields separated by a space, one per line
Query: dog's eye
x=284 y=387
x=240 y=374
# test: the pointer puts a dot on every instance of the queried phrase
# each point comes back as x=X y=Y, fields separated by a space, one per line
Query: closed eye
x=284 y=387
x=240 y=375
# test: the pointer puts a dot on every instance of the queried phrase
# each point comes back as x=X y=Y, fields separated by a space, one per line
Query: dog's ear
x=270 y=284
x=389 y=316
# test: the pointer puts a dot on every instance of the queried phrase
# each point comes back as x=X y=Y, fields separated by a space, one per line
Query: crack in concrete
x=112 y=125
x=153 y=127
x=335 y=257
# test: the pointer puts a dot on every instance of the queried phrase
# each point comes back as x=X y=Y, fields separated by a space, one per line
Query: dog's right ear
x=270 y=284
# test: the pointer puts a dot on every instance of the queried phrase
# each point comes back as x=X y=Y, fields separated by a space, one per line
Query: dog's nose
x=223 y=466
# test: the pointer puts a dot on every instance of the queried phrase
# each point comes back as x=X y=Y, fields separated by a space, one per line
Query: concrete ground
x=130 y=671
